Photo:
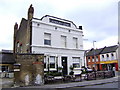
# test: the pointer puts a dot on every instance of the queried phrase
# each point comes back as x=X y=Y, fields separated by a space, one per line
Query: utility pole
x=94 y=52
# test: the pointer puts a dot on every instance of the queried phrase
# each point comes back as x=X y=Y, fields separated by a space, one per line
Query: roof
x=93 y=52
x=6 y=57
x=109 y=49
x=104 y=50
x=56 y=18
x=23 y=24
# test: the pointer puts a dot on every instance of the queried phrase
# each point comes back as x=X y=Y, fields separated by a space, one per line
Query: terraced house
x=60 y=40
x=103 y=59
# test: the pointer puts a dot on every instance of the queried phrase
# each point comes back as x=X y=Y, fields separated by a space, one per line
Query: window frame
x=75 y=61
x=75 y=40
x=47 y=41
x=64 y=41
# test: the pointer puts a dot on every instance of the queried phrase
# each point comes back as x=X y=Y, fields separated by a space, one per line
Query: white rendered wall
x=55 y=48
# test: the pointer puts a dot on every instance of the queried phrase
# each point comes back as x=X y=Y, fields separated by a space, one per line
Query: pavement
x=77 y=84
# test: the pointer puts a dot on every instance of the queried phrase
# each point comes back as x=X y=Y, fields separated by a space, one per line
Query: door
x=64 y=64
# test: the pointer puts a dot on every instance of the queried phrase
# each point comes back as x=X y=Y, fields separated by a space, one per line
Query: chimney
x=80 y=27
x=30 y=12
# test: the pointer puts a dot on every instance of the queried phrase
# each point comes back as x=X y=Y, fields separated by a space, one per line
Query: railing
x=99 y=75
x=6 y=74
x=87 y=76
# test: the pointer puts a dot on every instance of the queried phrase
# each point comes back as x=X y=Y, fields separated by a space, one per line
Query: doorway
x=64 y=64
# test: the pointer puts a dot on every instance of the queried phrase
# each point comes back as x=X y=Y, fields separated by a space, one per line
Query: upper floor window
x=102 y=57
x=88 y=59
x=21 y=48
x=112 y=56
x=107 y=56
x=96 y=58
x=75 y=42
x=47 y=39
x=63 y=41
x=93 y=59
x=18 y=45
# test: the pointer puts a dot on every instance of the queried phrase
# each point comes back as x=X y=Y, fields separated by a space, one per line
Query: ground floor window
x=52 y=61
x=4 y=68
x=45 y=62
x=76 y=62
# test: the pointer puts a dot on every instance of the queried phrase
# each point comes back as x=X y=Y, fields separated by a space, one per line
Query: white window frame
x=63 y=41
x=88 y=59
x=75 y=42
x=47 y=37
x=52 y=62
x=76 y=60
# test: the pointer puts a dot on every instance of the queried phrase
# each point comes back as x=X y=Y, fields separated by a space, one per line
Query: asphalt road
x=107 y=85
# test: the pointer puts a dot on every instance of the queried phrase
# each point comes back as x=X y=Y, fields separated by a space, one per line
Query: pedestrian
x=114 y=69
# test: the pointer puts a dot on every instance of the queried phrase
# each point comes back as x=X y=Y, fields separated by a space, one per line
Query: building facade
x=58 y=39
x=103 y=59
x=6 y=64
x=93 y=59
x=109 y=58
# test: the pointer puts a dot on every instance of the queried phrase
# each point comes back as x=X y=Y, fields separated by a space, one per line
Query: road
x=107 y=85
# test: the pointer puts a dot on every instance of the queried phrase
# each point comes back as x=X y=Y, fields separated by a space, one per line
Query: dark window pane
x=47 y=42
x=44 y=65
x=76 y=65
x=52 y=65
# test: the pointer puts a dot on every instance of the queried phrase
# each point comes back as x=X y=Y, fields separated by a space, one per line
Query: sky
x=99 y=18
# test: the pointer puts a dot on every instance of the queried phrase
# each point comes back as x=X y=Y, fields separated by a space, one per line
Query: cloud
x=98 y=17
x=109 y=41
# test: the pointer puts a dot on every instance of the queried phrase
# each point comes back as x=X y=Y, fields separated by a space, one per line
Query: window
x=63 y=41
x=52 y=61
x=102 y=57
x=4 y=68
x=76 y=62
x=18 y=45
x=47 y=39
x=112 y=56
x=20 y=48
x=96 y=58
x=107 y=56
x=45 y=62
x=75 y=42
x=93 y=59
x=88 y=59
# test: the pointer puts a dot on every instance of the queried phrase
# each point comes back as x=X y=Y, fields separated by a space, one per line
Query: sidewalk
x=77 y=84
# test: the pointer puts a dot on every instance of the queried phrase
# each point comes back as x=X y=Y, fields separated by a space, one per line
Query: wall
x=31 y=69
x=39 y=27
x=38 y=35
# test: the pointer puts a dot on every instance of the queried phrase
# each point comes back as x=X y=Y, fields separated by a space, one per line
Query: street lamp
x=94 y=52
x=94 y=44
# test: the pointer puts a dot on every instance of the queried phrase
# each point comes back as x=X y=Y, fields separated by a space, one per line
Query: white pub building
x=59 y=40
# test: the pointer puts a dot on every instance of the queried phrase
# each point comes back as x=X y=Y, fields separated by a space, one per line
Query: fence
x=99 y=75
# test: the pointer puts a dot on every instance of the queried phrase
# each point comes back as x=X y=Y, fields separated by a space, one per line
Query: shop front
x=108 y=65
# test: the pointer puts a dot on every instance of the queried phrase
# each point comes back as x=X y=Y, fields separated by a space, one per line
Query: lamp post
x=94 y=58
x=94 y=52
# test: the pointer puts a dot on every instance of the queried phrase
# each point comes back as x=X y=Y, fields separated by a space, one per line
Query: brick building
x=29 y=67
x=58 y=39
x=103 y=59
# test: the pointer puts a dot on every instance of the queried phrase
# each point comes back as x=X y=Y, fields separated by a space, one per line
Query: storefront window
x=52 y=61
x=76 y=62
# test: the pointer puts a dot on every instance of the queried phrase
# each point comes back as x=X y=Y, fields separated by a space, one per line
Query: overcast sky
x=99 y=18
